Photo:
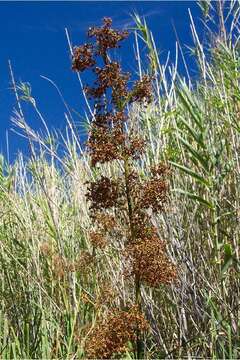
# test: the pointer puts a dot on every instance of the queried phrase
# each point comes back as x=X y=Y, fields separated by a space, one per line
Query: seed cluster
x=107 y=120
x=102 y=194
x=126 y=199
x=105 y=144
x=111 y=336
x=149 y=262
x=112 y=77
x=98 y=239
x=106 y=38
x=83 y=57
x=142 y=90
x=106 y=222
x=145 y=253
x=154 y=195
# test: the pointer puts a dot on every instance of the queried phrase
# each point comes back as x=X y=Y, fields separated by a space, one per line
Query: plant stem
x=138 y=300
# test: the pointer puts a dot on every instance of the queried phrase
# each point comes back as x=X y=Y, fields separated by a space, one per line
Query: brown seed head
x=154 y=194
x=82 y=57
x=59 y=266
x=105 y=144
x=110 y=76
x=46 y=248
x=109 y=120
x=142 y=90
x=148 y=261
x=161 y=170
x=142 y=225
x=102 y=194
x=98 y=239
x=105 y=222
x=106 y=37
x=136 y=147
x=84 y=262
x=111 y=336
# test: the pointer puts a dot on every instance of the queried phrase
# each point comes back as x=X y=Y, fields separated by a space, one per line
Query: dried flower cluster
x=126 y=198
x=142 y=90
x=149 y=261
x=60 y=266
x=106 y=222
x=110 y=76
x=111 y=336
x=98 y=239
x=103 y=193
x=105 y=144
x=154 y=194
x=145 y=252
x=106 y=37
x=82 y=57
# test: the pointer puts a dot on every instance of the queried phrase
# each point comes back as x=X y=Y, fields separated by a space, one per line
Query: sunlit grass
x=50 y=283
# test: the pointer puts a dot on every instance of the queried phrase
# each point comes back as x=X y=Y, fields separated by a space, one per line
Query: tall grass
x=52 y=288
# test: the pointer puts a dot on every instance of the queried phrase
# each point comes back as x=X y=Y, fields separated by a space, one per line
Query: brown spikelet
x=105 y=144
x=98 y=239
x=82 y=57
x=102 y=194
x=111 y=336
x=142 y=90
x=148 y=261
x=106 y=37
x=154 y=194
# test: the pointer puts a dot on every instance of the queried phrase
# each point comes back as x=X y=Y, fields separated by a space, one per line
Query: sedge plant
x=122 y=204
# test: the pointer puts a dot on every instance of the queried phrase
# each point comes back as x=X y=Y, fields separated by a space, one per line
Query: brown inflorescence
x=109 y=120
x=46 y=248
x=148 y=261
x=85 y=262
x=145 y=253
x=106 y=37
x=161 y=170
x=108 y=77
x=129 y=197
x=142 y=90
x=106 y=296
x=154 y=194
x=142 y=227
x=136 y=147
x=111 y=336
x=105 y=144
x=98 y=239
x=105 y=222
x=102 y=194
x=83 y=57
x=59 y=266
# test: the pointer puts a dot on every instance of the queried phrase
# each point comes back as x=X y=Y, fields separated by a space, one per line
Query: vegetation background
x=50 y=296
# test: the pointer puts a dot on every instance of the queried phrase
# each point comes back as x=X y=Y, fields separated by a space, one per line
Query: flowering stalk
x=109 y=141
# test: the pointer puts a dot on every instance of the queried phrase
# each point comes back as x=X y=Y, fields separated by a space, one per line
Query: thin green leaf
x=201 y=159
x=194 y=197
x=191 y=107
x=197 y=137
x=191 y=173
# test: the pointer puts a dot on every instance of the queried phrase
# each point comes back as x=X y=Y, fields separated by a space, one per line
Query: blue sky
x=33 y=38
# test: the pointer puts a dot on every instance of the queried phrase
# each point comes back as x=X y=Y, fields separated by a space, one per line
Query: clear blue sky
x=33 y=38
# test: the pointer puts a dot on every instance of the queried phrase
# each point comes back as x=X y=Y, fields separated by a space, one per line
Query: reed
x=86 y=234
x=119 y=204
